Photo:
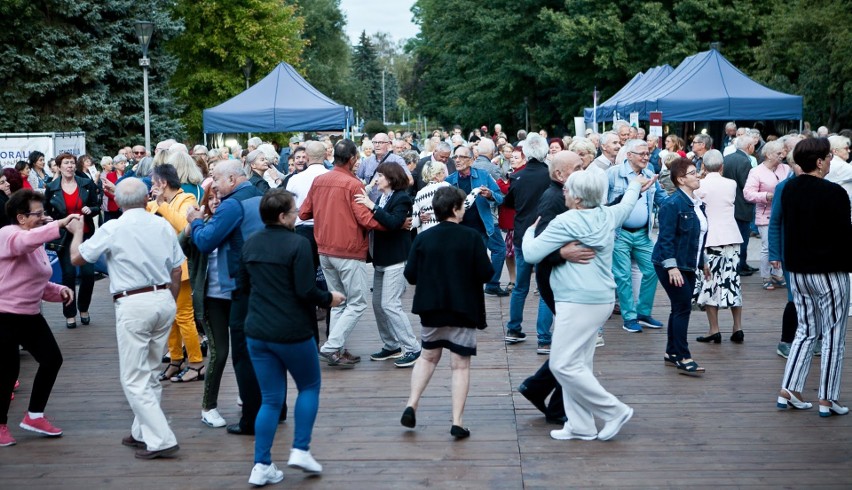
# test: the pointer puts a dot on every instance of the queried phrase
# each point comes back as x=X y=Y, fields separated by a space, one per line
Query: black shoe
x=459 y=432
x=408 y=419
x=556 y=420
x=204 y=347
x=497 y=292
x=746 y=273
x=738 y=337
x=161 y=453
x=236 y=429
x=716 y=338
x=537 y=402
x=71 y=325
x=85 y=320
x=513 y=337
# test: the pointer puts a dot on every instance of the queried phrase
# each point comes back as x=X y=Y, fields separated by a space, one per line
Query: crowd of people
x=208 y=251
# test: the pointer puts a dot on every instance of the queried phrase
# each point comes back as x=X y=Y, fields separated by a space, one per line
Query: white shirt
x=140 y=248
x=840 y=173
x=300 y=185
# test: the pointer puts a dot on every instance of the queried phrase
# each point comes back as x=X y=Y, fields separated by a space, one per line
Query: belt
x=131 y=292
x=634 y=230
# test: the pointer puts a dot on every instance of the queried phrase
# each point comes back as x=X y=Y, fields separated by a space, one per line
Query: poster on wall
x=19 y=147
x=656 y=126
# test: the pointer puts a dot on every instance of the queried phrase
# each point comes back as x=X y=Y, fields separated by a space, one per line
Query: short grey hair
x=619 y=124
x=838 y=141
x=252 y=156
x=631 y=145
x=589 y=186
x=229 y=167
x=706 y=139
x=144 y=167
x=315 y=151
x=131 y=193
x=178 y=148
x=605 y=137
x=443 y=146
x=582 y=144
x=255 y=142
x=713 y=160
x=432 y=170
x=731 y=125
x=269 y=151
x=118 y=159
x=486 y=147
x=536 y=147
x=771 y=147
x=743 y=141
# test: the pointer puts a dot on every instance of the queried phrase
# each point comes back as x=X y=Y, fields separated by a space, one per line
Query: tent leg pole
x=205 y=139
x=800 y=126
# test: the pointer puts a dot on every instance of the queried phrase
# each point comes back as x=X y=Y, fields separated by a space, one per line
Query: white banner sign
x=14 y=149
x=634 y=119
x=75 y=145
x=579 y=126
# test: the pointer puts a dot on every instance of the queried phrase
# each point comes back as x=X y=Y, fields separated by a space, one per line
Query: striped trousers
x=822 y=302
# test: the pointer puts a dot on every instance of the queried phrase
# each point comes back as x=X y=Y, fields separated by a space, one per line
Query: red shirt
x=112 y=206
x=505 y=215
x=74 y=205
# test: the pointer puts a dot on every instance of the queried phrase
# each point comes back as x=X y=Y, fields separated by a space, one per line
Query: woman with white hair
x=760 y=190
x=433 y=175
x=722 y=288
x=585 y=148
x=271 y=176
x=581 y=310
x=257 y=164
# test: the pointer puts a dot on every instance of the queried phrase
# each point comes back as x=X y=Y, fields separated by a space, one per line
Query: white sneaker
x=212 y=418
x=611 y=428
x=263 y=474
x=304 y=461
x=600 y=341
x=565 y=434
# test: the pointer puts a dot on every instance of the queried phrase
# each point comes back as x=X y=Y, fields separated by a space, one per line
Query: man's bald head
x=131 y=193
x=563 y=164
x=315 y=150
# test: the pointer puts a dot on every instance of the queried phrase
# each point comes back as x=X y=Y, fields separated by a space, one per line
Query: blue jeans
x=681 y=300
x=271 y=362
x=497 y=246
x=523 y=272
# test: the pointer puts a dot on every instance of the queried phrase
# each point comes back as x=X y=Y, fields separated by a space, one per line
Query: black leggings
x=33 y=333
x=83 y=298
x=218 y=313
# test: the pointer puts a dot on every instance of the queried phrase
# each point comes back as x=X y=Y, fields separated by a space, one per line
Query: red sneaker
x=6 y=438
x=17 y=385
x=41 y=425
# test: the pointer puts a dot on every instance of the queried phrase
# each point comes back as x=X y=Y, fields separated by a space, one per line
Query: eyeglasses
x=381 y=143
x=697 y=142
x=644 y=154
x=37 y=214
x=142 y=153
x=692 y=172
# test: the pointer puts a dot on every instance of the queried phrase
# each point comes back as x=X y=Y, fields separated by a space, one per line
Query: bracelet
x=374 y=209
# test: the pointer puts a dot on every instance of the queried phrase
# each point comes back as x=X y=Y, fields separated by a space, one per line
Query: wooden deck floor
x=719 y=430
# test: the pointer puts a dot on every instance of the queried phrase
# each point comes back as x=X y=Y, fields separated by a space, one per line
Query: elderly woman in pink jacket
x=760 y=189
x=24 y=280
x=722 y=250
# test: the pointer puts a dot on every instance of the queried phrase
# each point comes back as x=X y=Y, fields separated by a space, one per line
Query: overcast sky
x=392 y=16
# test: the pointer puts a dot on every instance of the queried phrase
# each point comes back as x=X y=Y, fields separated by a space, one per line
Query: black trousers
x=681 y=301
x=83 y=297
x=243 y=369
x=542 y=383
x=33 y=333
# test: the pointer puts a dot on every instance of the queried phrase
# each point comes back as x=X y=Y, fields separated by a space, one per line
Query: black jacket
x=258 y=181
x=816 y=226
x=54 y=201
x=392 y=246
x=417 y=174
x=449 y=264
x=525 y=189
x=737 y=167
x=551 y=205
x=278 y=275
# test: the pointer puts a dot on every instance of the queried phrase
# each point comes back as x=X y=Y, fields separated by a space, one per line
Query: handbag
x=60 y=243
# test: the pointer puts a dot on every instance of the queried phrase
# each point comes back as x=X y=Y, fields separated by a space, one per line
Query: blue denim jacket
x=677 y=244
x=480 y=178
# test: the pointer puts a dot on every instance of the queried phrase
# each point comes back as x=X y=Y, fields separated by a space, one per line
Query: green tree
x=805 y=52
x=327 y=58
x=368 y=74
x=218 y=38
x=72 y=65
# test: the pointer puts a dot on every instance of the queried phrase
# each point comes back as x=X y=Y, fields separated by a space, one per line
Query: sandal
x=779 y=281
x=768 y=285
x=180 y=377
x=169 y=372
x=670 y=359
x=510 y=286
x=689 y=367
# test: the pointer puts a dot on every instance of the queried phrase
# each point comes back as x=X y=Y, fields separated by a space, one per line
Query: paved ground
x=719 y=430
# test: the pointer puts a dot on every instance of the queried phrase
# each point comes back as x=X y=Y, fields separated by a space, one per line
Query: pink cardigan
x=25 y=269
x=718 y=194
x=760 y=181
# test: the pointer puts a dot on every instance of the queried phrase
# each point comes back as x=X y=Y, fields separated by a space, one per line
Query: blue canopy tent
x=641 y=83
x=707 y=87
x=283 y=101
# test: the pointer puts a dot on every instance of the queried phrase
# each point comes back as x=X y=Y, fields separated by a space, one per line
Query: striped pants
x=822 y=301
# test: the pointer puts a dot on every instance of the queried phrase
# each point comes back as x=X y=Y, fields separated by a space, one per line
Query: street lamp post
x=144 y=31
x=384 y=118
x=247 y=72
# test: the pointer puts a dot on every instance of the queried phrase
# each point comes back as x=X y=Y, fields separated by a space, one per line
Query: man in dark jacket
x=737 y=166
x=525 y=189
x=441 y=154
